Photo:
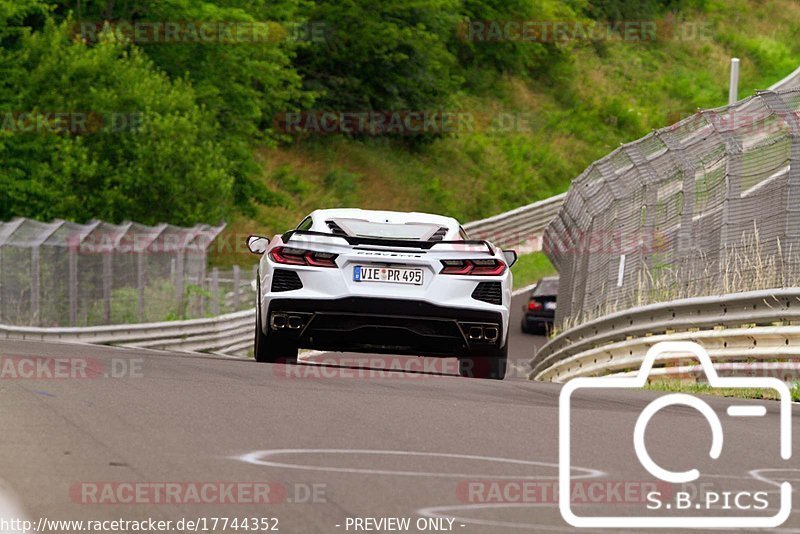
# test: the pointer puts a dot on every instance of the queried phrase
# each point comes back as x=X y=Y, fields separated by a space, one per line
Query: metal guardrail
x=733 y=327
x=230 y=334
x=792 y=81
x=521 y=226
x=731 y=350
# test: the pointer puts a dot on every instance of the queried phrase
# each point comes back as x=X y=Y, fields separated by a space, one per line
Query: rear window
x=547 y=287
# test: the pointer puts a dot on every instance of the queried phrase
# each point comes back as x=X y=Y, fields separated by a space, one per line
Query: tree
x=389 y=55
x=132 y=144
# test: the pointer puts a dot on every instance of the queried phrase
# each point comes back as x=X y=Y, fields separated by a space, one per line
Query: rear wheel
x=485 y=367
x=268 y=350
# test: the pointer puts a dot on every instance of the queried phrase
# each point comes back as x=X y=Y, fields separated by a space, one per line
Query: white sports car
x=383 y=282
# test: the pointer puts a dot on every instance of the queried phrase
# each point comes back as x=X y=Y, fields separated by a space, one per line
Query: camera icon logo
x=638 y=382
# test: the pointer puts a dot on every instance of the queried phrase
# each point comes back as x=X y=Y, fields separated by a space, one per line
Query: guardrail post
x=215 y=291
x=237 y=281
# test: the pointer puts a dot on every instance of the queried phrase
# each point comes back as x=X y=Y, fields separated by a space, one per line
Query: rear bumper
x=537 y=322
x=391 y=326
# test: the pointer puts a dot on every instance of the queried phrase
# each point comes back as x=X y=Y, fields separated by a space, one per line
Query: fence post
x=178 y=263
x=215 y=291
x=237 y=281
x=733 y=88
x=1 y=284
x=73 y=286
x=201 y=282
x=107 y=275
x=35 y=285
x=140 y=283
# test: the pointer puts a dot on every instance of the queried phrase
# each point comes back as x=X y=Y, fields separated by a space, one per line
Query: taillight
x=296 y=256
x=535 y=305
x=485 y=267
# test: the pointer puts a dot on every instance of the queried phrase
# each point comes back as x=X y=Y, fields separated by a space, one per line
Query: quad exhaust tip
x=278 y=321
x=283 y=320
x=475 y=332
x=482 y=332
x=490 y=333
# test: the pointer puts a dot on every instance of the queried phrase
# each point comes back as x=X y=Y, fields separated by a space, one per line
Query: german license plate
x=395 y=275
x=549 y=305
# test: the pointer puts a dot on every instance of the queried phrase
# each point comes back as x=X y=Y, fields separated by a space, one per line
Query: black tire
x=485 y=367
x=266 y=350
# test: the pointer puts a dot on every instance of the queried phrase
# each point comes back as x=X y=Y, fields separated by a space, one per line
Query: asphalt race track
x=316 y=445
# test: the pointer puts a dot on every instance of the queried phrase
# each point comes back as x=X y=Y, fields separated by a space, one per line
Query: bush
x=389 y=55
x=150 y=156
x=477 y=51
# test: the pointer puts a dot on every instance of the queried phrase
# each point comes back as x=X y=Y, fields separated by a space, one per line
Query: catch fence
x=68 y=274
x=708 y=206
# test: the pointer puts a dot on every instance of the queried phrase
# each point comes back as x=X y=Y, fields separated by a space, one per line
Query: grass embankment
x=705 y=389
x=530 y=268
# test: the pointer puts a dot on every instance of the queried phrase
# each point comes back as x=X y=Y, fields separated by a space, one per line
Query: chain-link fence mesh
x=67 y=274
x=710 y=205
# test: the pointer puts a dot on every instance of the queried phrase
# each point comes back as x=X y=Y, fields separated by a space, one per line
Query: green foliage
x=289 y=181
x=201 y=107
x=619 y=10
x=478 y=51
x=677 y=386
x=13 y=17
x=389 y=55
x=204 y=108
x=530 y=268
x=160 y=304
x=150 y=156
x=245 y=84
x=342 y=186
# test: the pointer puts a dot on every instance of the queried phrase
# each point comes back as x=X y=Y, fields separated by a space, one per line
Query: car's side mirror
x=257 y=244
x=510 y=256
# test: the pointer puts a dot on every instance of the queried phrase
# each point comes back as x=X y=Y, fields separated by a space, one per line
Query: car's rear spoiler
x=388 y=242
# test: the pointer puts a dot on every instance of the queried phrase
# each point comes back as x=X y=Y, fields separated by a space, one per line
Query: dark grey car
x=540 y=311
